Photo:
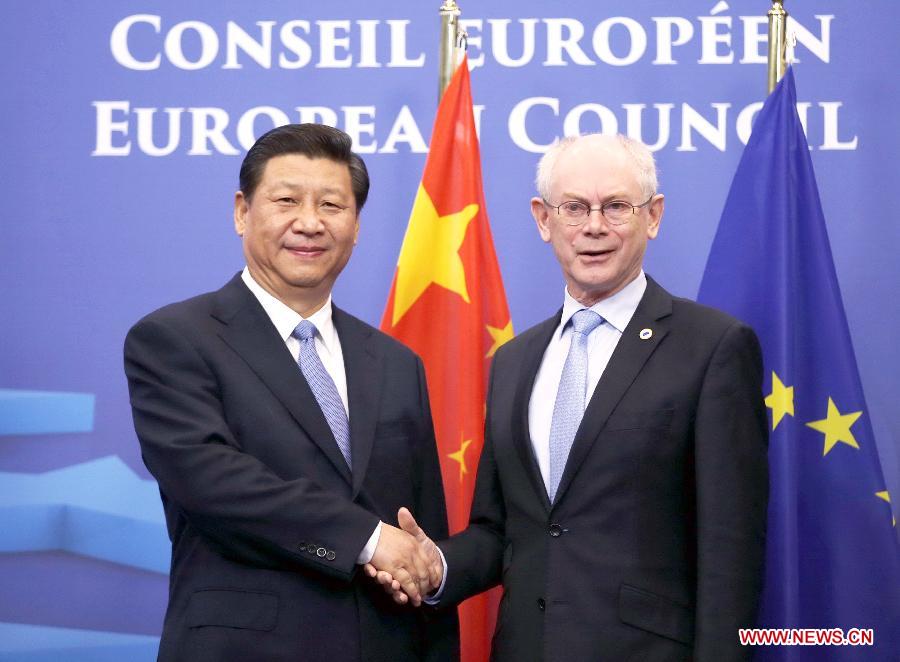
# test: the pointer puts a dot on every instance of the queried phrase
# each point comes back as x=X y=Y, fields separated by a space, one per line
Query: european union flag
x=832 y=558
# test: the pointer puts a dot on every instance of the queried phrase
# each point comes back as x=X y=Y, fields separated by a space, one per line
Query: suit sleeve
x=475 y=556
x=440 y=626
x=730 y=446
x=240 y=505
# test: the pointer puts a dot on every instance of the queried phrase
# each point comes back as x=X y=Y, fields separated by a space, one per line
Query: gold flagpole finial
x=777 y=43
x=450 y=12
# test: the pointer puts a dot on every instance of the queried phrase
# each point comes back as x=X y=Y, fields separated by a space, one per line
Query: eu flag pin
x=646 y=334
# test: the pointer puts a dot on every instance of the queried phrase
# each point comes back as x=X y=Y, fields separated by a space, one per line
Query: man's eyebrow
x=286 y=184
x=332 y=189
x=296 y=186
x=620 y=195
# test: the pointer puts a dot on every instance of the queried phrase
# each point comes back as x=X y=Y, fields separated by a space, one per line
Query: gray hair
x=644 y=163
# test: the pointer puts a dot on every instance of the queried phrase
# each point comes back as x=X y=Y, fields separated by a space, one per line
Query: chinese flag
x=447 y=303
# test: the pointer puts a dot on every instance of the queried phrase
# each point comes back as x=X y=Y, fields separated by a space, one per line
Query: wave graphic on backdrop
x=99 y=508
x=45 y=412
x=39 y=643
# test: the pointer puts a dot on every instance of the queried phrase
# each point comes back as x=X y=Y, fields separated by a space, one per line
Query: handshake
x=406 y=562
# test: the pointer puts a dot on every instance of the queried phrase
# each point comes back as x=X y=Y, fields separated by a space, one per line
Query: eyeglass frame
x=590 y=209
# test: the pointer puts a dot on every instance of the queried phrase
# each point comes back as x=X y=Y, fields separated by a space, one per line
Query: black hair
x=315 y=141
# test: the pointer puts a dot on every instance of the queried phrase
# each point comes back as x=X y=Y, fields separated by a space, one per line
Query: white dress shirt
x=328 y=346
x=616 y=312
x=286 y=319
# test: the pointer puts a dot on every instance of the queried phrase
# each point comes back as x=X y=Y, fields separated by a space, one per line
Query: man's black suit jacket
x=654 y=546
x=265 y=518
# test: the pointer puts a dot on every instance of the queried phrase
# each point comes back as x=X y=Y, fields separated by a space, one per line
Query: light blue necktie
x=323 y=387
x=569 y=407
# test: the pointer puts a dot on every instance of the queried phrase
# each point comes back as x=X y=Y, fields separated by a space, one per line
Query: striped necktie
x=323 y=387
x=570 y=398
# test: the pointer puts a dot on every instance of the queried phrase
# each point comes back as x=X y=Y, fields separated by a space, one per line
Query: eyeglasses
x=616 y=212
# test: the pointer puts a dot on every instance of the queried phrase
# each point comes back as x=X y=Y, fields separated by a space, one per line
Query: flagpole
x=777 y=43
x=449 y=33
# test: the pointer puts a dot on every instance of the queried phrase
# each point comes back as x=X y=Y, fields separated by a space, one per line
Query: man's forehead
x=290 y=159
x=596 y=149
x=283 y=168
x=594 y=162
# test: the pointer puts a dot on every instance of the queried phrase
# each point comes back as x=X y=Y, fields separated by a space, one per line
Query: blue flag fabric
x=832 y=557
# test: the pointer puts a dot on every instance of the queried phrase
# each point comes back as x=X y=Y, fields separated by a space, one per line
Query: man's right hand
x=427 y=552
x=399 y=556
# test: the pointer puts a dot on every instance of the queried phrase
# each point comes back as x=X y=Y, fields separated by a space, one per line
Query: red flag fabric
x=447 y=303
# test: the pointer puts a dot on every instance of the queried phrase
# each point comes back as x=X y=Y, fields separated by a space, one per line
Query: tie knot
x=306 y=330
x=585 y=321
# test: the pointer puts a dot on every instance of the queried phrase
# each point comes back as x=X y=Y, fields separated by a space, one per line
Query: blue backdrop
x=124 y=125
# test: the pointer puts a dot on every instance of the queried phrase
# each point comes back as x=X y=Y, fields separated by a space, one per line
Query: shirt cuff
x=433 y=599
x=369 y=550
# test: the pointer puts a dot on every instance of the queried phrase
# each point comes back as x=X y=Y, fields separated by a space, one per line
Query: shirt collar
x=616 y=310
x=286 y=319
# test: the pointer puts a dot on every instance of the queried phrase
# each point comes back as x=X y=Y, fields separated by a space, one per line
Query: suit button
x=541 y=604
x=320 y=552
x=330 y=556
x=302 y=546
x=311 y=548
x=556 y=530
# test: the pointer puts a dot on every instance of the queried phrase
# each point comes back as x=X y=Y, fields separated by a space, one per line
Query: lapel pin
x=646 y=334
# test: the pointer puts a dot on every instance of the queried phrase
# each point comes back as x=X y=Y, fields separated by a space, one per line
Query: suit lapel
x=250 y=333
x=362 y=363
x=533 y=352
x=626 y=362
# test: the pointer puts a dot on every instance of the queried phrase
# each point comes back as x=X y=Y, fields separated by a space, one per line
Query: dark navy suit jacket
x=265 y=518
x=654 y=546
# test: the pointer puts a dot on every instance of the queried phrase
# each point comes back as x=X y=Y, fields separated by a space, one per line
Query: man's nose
x=596 y=222
x=307 y=220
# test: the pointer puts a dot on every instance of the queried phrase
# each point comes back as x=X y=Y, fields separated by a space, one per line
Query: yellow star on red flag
x=430 y=253
x=499 y=336
x=460 y=456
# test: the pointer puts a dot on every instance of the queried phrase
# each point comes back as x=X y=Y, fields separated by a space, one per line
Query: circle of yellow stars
x=836 y=427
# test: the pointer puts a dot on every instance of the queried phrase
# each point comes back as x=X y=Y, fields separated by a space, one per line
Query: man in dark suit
x=621 y=493
x=285 y=434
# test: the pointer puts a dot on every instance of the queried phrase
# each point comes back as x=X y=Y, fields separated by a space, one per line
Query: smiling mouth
x=305 y=251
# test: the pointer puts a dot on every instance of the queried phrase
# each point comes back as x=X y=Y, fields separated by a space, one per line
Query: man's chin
x=306 y=282
x=590 y=291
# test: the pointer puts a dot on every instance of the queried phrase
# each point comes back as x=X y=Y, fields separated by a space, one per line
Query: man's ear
x=240 y=213
x=541 y=217
x=656 y=213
